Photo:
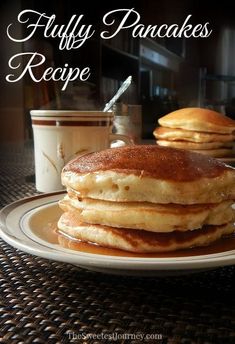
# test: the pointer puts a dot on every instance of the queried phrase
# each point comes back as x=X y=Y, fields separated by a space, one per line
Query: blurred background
x=167 y=73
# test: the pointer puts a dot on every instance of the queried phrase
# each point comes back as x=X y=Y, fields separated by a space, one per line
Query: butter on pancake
x=149 y=216
x=136 y=240
x=198 y=119
x=150 y=173
x=176 y=134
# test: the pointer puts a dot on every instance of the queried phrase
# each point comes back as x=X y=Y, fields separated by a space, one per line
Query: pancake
x=216 y=153
x=194 y=145
x=136 y=240
x=171 y=134
x=149 y=216
x=150 y=173
x=197 y=119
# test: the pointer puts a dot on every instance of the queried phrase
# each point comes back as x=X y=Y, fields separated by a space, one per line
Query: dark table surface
x=42 y=301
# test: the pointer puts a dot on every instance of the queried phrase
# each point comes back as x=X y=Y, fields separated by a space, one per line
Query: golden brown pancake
x=194 y=145
x=215 y=153
x=175 y=134
x=150 y=173
x=149 y=216
x=147 y=199
x=198 y=119
x=139 y=241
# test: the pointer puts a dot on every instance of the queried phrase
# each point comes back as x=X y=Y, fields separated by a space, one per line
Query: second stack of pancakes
x=200 y=130
x=147 y=199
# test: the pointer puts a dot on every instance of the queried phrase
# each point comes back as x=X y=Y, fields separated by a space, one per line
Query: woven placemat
x=49 y=302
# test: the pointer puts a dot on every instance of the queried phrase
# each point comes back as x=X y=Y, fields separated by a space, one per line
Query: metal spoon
x=120 y=91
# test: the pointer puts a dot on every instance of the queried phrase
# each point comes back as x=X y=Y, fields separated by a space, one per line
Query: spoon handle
x=120 y=91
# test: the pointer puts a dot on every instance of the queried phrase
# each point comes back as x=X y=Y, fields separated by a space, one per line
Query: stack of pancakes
x=200 y=130
x=147 y=199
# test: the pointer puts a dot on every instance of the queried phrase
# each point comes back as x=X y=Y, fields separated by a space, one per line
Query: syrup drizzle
x=51 y=234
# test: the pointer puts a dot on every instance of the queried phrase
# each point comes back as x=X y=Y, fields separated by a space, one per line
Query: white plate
x=18 y=224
